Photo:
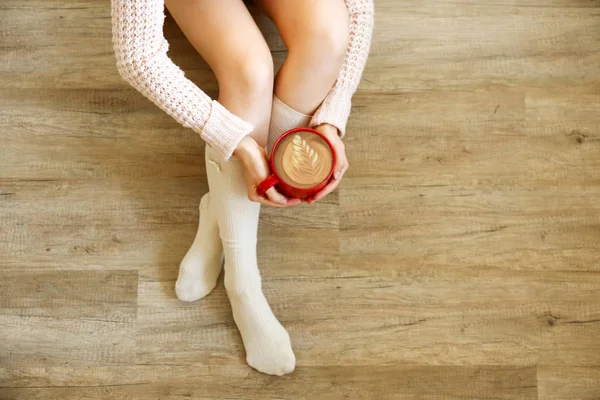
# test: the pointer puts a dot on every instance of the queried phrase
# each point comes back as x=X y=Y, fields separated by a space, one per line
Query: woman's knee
x=323 y=39
x=248 y=75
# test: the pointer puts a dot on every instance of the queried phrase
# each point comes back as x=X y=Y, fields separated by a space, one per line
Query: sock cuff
x=284 y=118
x=287 y=112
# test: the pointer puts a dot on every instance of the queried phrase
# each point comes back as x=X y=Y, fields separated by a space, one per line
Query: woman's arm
x=335 y=109
x=141 y=53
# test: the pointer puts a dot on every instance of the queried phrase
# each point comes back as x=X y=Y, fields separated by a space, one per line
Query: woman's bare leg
x=316 y=35
x=224 y=33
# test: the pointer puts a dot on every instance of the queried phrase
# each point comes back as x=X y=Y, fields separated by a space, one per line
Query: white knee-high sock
x=267 y=343
x=284 y=118
x=201 y=266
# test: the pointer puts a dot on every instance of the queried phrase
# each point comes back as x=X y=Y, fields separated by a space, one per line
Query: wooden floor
x=460 y=259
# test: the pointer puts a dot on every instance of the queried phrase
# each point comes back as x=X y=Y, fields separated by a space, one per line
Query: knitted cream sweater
x=141 y=53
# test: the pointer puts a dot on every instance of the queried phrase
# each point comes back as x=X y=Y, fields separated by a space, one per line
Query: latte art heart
x=303 y=159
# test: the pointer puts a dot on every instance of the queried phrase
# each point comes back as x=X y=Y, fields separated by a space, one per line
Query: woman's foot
x=267 y=343
x=201 y=266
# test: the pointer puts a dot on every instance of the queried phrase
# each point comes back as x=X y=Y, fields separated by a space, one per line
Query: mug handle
x=266 y=185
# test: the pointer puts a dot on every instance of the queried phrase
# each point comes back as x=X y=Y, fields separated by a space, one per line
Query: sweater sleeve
x=335 y=109
x=141 y=53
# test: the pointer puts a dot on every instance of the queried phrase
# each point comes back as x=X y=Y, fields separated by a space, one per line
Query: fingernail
x=337 y=175
x=284 y=201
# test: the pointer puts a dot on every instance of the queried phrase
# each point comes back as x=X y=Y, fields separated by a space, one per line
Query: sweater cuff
x=224 y=130
x=334 y=110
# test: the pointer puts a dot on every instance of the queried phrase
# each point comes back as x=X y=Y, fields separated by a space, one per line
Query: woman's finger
x=345 y=168
x=276 y=197
x=340 y=168
x=341 y=163
x=327 y=189
x=331 y=186
x=265 y=201
x=269 y=202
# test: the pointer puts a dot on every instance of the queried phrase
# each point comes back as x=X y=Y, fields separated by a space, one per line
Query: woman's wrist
x=245 y=147
x=328 y=130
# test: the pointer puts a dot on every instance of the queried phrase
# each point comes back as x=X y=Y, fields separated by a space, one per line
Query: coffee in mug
x=303 y=159
x=302 y=162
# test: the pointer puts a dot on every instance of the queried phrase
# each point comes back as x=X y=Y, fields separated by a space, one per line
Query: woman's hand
x=256 y=170
x=341 y=165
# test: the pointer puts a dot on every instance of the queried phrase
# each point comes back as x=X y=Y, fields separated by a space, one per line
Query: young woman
x=328 y=44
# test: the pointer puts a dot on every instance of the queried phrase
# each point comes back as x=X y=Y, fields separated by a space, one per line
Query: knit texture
x=335 y=109
x=141 y=54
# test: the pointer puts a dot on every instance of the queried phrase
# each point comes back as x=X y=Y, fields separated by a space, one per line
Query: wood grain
x=67 y=317
x=459 y=260
x=558 y=382
x=360 y=382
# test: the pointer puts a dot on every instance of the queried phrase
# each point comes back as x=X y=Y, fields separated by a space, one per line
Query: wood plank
x=466 y=189
x=474 y=8
x=568 y=383
x=485 y=139
x=571 y=113
x=379 y=311
x=519 y=229
x=423 y=45
x=67 y=318
x=70 y=294
x=76 y=54
x=206 y=382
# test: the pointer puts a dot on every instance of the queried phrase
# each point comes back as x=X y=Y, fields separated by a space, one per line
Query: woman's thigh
x=316 y=35
x=226 y=36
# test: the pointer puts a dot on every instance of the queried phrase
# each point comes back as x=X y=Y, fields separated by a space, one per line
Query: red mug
x=284 y=187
